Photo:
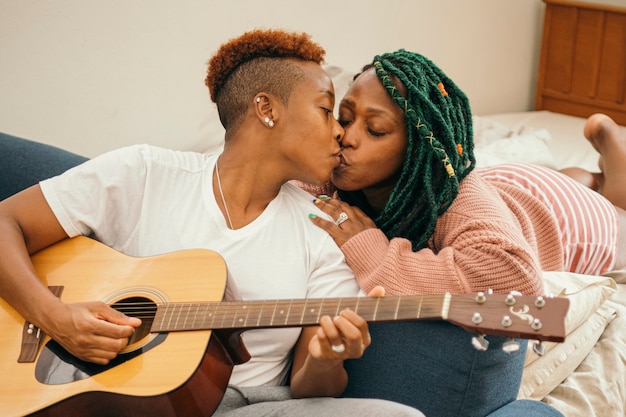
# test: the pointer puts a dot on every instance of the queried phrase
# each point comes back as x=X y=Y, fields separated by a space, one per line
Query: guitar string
x=151 y=306
x=228 y=310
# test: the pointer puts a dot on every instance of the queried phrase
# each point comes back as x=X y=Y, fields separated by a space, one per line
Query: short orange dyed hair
x=259 y=60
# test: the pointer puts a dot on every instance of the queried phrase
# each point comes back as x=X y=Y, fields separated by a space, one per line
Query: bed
x=582 y=71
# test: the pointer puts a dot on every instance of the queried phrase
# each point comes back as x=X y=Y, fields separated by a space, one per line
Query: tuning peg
x=536 y=324
x=480 y=343
x=510 y=346
x=540 y=302
x=510 y=300
x=481 y=298
x=477 y=318
x=539 y=348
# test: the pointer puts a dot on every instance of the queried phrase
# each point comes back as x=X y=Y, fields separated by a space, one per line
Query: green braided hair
x=440 y=146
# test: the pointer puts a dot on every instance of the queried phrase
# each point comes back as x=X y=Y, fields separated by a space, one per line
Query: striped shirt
x=588 y=222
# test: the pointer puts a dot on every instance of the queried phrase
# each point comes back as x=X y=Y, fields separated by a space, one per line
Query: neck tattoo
x=219 y=185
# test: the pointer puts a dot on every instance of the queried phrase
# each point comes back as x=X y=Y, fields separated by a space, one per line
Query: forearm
x=90 y=330
x=27 y=225
x=466 y=265
x=20 y=286
x=395 y=266
x=317 y=378
x=317 y=369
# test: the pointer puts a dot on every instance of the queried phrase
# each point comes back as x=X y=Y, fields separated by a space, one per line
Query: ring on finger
x=338 y=348
x=343 y=216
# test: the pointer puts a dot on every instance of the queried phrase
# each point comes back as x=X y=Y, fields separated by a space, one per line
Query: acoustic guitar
x=179 y=361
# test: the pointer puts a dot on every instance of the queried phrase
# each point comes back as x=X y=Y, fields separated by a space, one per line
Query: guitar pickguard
x=56 y=366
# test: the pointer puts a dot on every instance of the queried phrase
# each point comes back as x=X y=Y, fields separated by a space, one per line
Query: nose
x=348 y=139
x=339 y=132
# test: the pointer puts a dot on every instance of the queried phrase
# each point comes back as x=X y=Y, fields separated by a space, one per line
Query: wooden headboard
x=582 y=67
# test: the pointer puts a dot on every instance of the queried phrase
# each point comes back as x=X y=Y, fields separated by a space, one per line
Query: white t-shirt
x=143 y=201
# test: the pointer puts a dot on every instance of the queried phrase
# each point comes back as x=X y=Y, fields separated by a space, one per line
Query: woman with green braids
x=414 y=216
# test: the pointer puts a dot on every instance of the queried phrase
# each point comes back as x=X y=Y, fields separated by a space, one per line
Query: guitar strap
x=32 y=336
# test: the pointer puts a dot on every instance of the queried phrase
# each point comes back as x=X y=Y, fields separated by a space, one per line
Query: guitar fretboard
x=294 y=313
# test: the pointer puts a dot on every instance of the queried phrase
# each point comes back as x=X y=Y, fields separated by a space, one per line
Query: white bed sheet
x=562 y=134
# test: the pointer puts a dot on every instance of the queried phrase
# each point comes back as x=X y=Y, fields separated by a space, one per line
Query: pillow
x=495 y=143
x=567 y=145
x=543 y=375
x=619 y=275
x=586 y=294
x=596 y=387
x=584 y=323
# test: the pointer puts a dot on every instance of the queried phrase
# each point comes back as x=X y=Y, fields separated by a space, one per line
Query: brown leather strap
x=33 y=336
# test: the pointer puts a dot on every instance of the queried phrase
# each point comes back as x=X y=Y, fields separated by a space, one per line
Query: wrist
x=49 y=314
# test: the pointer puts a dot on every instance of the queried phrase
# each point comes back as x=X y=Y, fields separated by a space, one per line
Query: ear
x=267 y=109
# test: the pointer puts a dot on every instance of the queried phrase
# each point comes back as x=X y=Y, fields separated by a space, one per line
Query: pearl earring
x=269 y=122
x=258 y=99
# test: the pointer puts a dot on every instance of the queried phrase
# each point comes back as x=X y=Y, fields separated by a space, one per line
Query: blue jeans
x=432 y=366
x=526 y=408
x=24 y=163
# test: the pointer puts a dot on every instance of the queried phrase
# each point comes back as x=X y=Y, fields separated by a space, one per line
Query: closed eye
x=375 y=133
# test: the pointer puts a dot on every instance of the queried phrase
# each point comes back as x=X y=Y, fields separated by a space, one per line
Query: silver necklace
x=219 y=184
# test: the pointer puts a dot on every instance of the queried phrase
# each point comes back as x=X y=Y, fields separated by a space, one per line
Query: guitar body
x=173 y=374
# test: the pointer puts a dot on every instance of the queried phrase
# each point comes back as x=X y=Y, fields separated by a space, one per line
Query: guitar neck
x=295 y=313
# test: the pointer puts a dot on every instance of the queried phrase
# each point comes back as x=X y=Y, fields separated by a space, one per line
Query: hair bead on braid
x=440 y=147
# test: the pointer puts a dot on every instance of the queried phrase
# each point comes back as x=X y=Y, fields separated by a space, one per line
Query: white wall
x=90 y=76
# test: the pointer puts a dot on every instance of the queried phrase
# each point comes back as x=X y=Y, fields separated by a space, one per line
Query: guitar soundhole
x=142 y=308
x=55 y=365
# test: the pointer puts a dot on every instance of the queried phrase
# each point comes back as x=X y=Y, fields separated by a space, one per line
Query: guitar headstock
x=518 y=316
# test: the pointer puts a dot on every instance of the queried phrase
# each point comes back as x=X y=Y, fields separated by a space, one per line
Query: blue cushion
x=24 y=163
x=432 y=366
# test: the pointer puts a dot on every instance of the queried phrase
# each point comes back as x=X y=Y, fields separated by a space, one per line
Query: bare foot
x=609 y=139
x=600 y=129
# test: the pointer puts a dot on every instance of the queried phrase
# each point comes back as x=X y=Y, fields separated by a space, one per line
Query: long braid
x=440 y=148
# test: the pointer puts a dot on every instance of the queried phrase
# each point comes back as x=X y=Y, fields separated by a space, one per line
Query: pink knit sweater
x=493 y=236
